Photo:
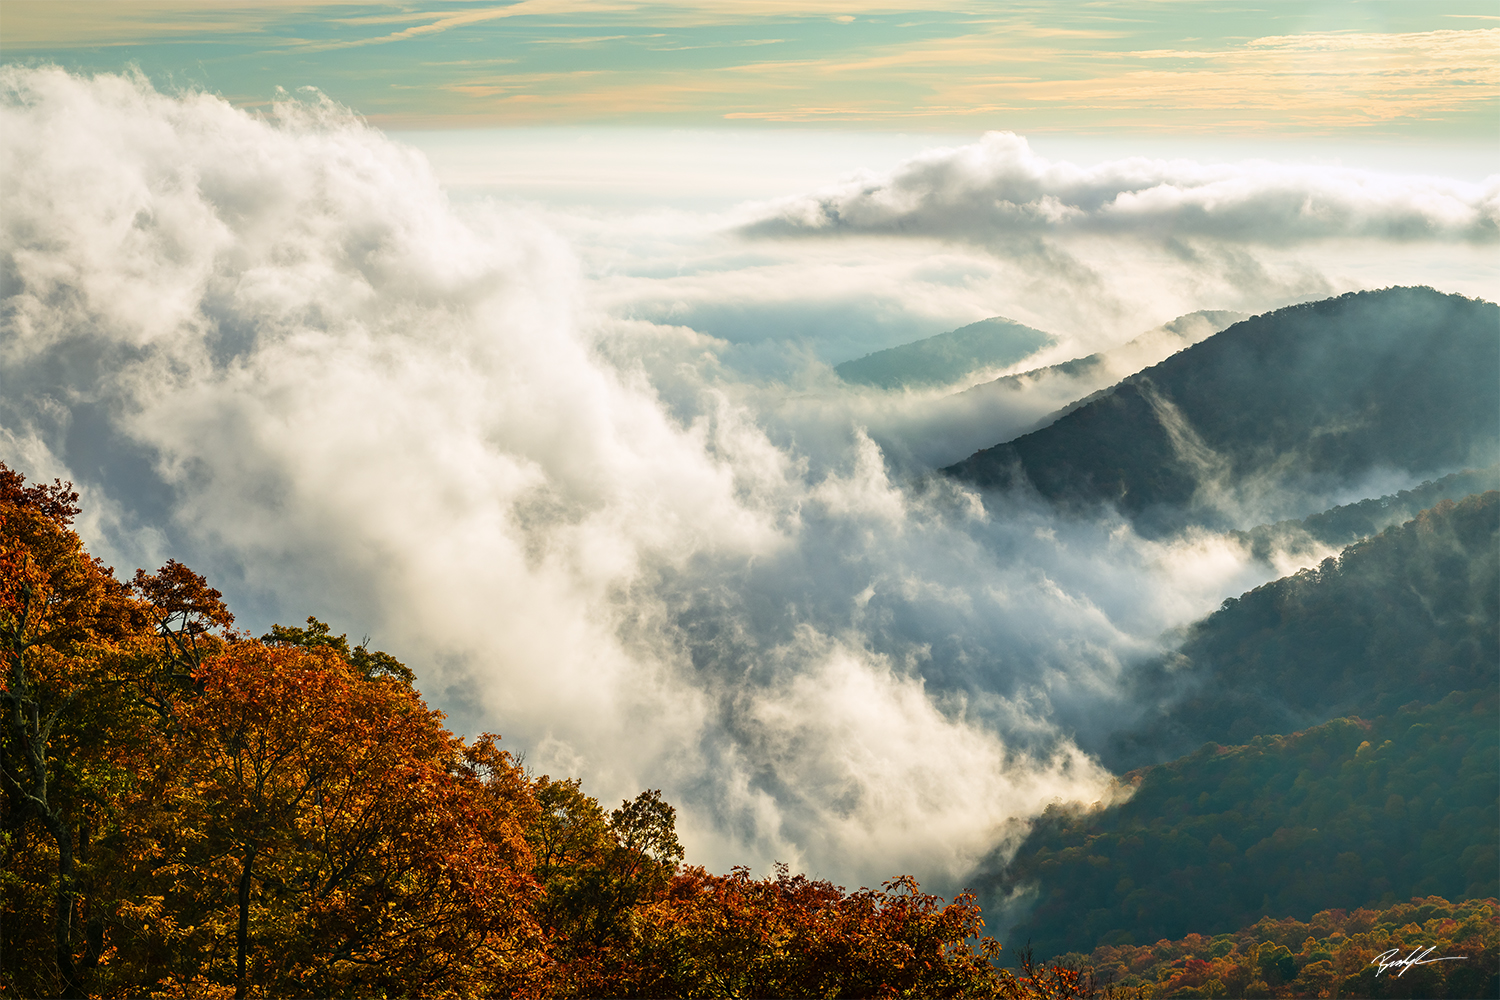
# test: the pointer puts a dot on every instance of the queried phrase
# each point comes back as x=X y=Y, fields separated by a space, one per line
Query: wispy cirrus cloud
x=914 y=64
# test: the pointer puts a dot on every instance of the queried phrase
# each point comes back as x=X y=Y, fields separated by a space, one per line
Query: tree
x=787 y=935
x=366 y=662
x=348 y=834
x=67 y=628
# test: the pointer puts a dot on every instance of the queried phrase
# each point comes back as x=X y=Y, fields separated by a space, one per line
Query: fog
x=602 y=505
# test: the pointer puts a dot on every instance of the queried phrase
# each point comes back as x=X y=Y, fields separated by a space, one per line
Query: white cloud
x=273 y=349
x=997 y=193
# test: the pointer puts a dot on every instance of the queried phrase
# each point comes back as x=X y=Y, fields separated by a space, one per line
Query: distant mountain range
x=1303 y=400
x=940 y=425
x=987 y=345
x=1078 y=379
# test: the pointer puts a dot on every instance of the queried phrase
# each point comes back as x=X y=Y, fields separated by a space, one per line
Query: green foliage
x=594 y=869
x=368 y=663
x=317 y=635
x=948 y=357
x=1345 y=814
x=1406 y=377
x=1406 y=616
x=1332 y=954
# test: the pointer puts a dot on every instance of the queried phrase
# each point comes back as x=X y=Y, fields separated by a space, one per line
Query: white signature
x=1388 y=960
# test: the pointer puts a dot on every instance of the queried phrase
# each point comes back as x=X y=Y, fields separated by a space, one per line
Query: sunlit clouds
x=997 y=190
x=275 y=349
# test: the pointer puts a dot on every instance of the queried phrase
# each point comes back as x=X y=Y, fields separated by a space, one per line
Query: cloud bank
x=271 y=347
x=998 y=190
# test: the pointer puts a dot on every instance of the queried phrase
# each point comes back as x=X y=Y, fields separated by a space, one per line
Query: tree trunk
x=242 y=937
x=93 y=923
x=30 y=734
x=63 y=915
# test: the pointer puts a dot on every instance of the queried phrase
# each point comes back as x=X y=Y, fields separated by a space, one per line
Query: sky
x=503 y=334
x=1391 y=69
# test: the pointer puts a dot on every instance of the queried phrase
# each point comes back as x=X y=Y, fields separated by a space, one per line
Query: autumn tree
x=340 y=837
x=788 y=935
x=67 y=631
x=368 y=663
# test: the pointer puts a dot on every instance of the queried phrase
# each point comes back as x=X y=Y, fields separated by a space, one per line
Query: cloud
x=998 y=194
x=270 y=346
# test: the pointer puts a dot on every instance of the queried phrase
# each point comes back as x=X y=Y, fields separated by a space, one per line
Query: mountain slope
x=1346 y=814
x=947 y=357
x=1402 y=629
x=1082 y=377
x=1349 y=523
x=1408 y=615
x=1311 y=397
x=1330 y=955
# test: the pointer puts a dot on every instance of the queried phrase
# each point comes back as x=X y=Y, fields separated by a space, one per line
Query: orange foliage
x=1331 y=955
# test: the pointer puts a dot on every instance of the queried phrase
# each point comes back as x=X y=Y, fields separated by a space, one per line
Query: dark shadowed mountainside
x=1381 y=666
x=1350 y=813
x=947 y=357
x=1307 y=398
x=1408 y=615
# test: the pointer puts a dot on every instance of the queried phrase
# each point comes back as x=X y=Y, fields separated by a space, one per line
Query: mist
x=598 y=506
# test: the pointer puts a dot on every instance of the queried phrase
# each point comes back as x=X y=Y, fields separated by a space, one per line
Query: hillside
x=1407 y=615
x=947 y=357
x=1349 y=523
x=1330 y=954
x=1081 y=377
x=1306 y=399
x=1345 y=814
x=1380 y=664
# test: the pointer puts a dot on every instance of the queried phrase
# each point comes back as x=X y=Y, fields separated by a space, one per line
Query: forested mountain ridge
x=1410 y=614
x=947 y=357
x=1395 y=644
x=1349 y=523
x=1313 y=395
x=1345 y=814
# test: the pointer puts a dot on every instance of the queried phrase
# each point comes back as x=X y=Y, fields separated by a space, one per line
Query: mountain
x=1409 y=615
x=1350 y=813
x=1081 y=377
x=1380 y=664
x=922 y=431
x=1350 y=523
x=1304 y=400
x=947 y=357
